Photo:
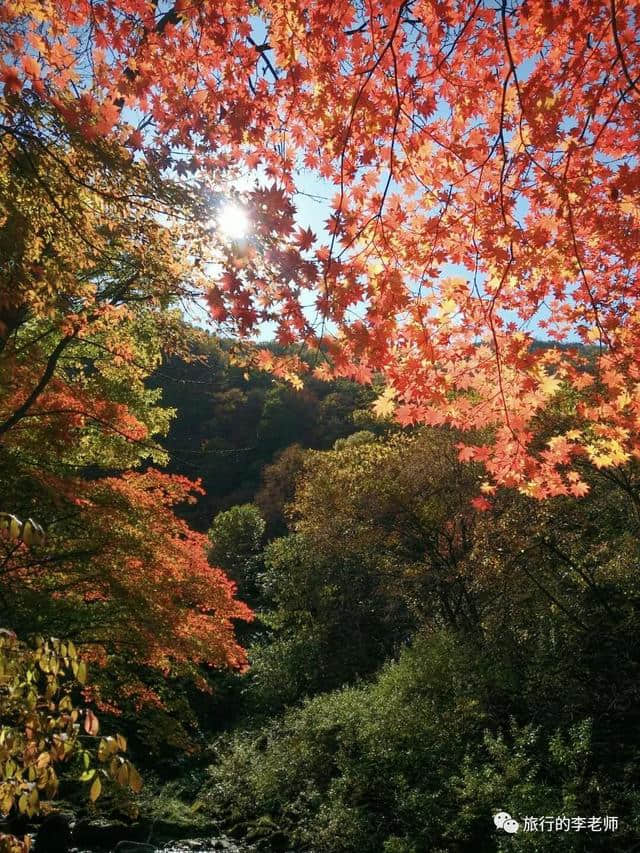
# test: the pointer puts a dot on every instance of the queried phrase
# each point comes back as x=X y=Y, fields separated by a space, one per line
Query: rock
x=106 y=834
x=278 y=842
x=16 y=824
x=238 y=830
x=53 y=835
x=165 y=830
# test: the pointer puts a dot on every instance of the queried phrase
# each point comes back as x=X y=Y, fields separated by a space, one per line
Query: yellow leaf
x=448 y=308
x=520 y=139
x=135 y=780
x=65 y=704
x=549 y=385
x=385 y=406
x=607 y=453
x=95 y=790
x=593 y=334
x=295 y=380
x=103 y=750
x=15 y=527
x=629 y=207
x=43 y=760
x=623 y=400
x=122 y=776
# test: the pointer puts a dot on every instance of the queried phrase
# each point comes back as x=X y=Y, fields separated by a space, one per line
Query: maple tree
x=123 y=574
x=95 y=249
x=485 y=172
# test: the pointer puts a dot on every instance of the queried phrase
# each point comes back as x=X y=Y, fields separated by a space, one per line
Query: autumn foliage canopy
x=477 y=164
x=93 y=273
x=483 y=159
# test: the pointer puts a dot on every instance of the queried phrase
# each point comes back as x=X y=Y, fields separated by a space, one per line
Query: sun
x=234 y=222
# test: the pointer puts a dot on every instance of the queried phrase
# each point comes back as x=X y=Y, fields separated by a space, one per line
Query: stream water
x=194 y=845
x=206 y=845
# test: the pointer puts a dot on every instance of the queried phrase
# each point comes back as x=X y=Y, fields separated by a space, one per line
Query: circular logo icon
x=500 y=818
x=503 y=820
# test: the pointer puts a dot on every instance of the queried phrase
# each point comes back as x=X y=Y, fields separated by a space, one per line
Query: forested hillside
x=231 y=422
x=319 y=426
x=419 y=654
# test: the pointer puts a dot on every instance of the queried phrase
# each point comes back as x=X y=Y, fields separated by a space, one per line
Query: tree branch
x=49 y=370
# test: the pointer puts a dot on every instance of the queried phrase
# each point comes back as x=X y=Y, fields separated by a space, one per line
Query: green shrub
x=417 y=761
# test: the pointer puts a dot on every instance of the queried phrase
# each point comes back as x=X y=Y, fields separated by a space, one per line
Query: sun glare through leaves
x=234 y=222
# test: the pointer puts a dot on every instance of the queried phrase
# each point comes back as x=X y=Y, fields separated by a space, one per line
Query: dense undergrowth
x=420 y=663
